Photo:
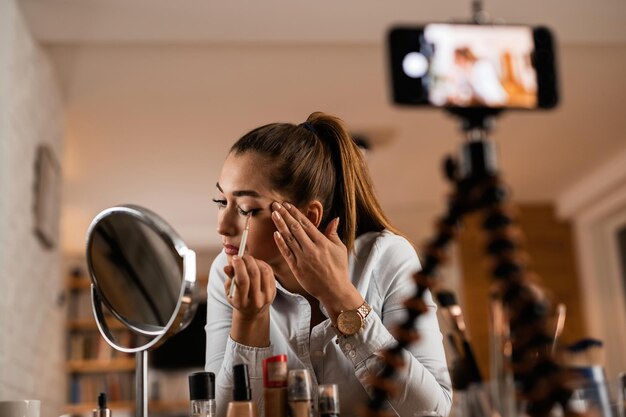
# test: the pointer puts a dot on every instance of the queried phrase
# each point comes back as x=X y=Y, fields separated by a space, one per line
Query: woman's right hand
x=254 y=292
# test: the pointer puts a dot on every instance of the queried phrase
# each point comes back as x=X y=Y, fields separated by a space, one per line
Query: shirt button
x=352 y=354
x=348 y=346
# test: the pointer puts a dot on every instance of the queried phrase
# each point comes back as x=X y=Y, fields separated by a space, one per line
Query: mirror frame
x=185 y=307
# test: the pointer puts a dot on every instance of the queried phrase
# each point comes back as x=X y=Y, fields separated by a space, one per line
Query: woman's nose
x=226 y=224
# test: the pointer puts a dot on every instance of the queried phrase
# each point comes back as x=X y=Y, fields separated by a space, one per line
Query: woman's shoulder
x=217 y=266
x=384 y=245
x=385 y=258
x=382 y=240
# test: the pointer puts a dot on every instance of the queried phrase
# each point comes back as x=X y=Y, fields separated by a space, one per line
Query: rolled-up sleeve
x=222 y=352
x=424 y=382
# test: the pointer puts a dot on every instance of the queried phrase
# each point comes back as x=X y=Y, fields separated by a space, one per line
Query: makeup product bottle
x=328 y=404
x=242 y=405
x=591 y=395
x=299 y=393
x=102 y=410
x=202 y=394
x=275 y=386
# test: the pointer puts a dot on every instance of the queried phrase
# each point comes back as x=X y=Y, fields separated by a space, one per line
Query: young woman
x=324 y=274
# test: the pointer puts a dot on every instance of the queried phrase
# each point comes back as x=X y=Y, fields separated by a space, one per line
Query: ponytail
x=319 y=160
x=354 y=199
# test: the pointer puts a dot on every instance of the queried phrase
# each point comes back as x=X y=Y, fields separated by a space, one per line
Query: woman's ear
x=314 y=211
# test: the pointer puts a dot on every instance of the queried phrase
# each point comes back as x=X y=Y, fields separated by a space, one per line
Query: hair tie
x=308 y=126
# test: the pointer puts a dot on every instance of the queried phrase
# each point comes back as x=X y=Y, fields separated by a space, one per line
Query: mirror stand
x=141 y=383
x=145 y=277
x=141 y=357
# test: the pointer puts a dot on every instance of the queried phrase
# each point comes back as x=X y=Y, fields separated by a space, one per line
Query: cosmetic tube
x=202 y=394
x=242 y=405
x=328 y=400
x=275 y=386
x=299 y=393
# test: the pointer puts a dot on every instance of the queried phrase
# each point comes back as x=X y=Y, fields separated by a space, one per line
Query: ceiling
x=300 y=21
x=155 y=92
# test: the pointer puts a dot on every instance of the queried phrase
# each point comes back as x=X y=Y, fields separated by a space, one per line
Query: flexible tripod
x=540 y=383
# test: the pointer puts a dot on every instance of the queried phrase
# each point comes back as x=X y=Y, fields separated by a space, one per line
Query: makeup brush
x=467 y=371
x=242 y=248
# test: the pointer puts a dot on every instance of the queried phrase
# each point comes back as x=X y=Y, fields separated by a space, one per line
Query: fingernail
x=276 y=215
x=276 y=205
x=235 y=257
x=277 y=234
x=287 y=205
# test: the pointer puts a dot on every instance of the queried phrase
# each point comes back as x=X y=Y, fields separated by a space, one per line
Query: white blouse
x=381 y=268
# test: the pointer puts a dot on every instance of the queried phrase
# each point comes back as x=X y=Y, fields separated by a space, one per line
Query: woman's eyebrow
x=240 y=193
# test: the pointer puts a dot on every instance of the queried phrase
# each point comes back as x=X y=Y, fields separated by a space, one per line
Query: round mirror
x=143 y=276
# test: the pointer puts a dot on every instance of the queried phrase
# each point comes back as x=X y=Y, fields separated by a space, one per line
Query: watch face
x=349 y=322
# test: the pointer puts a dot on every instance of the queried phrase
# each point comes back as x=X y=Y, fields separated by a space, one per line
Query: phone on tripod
x=471 y=66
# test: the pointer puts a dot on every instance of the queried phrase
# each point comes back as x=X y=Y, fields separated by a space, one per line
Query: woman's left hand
x=319 y=261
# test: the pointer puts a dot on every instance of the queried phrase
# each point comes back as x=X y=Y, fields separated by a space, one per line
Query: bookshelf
x=92 y=366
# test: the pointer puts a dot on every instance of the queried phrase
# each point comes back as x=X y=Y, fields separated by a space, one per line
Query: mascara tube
x=102 y=410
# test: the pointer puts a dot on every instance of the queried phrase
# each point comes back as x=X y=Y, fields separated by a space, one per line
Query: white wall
x=151 y=124
x=597 y=208
x=31 y=322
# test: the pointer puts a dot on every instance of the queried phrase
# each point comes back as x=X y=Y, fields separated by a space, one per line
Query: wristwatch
x=349 y=322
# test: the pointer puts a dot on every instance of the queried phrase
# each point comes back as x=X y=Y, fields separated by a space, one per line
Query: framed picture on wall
x=47 y=196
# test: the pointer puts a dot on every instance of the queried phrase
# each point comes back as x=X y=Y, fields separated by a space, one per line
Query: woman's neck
x=283 y=274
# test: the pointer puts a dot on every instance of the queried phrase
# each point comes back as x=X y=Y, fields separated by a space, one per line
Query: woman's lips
x=231 y=250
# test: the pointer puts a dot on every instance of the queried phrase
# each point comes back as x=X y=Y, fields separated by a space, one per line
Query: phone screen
x=466 y=65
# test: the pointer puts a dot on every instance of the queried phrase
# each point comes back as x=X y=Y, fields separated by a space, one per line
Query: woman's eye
x=220 y=203
x=246 y=212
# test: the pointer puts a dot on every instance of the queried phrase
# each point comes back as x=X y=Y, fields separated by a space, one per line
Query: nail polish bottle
x=242 y=405
x=202 y=394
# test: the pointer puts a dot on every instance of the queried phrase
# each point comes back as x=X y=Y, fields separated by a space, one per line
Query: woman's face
x=243 y=188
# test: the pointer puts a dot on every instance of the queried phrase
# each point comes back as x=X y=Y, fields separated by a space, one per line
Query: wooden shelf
x=168 y=406
x=87 y=407
x=112 y=365
x=78 y=283
x=154 y=406
x=90 y=324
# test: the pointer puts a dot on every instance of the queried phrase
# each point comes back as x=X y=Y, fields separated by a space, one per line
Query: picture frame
x=47 y=196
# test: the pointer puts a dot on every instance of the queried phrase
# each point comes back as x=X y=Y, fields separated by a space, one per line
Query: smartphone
x=458 y=66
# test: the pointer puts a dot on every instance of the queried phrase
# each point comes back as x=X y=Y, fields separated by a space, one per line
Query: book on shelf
x=79 y=305
x=90 y=345
x=85 y=388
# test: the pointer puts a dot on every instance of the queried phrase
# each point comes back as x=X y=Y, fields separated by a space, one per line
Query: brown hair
x=465 y=53
x=319 y=160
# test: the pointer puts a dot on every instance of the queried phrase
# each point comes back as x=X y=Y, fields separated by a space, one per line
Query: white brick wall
x=31 y=322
